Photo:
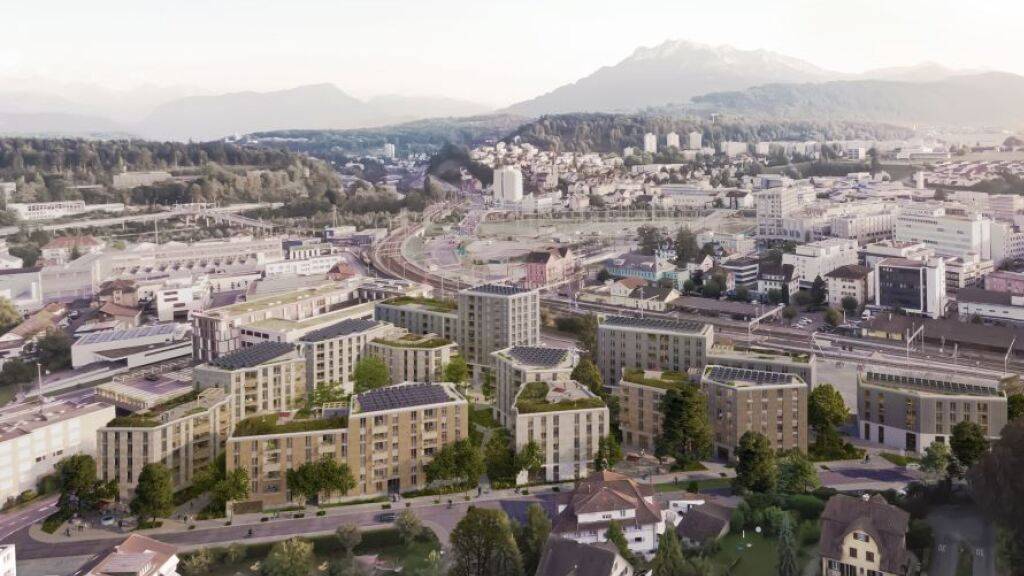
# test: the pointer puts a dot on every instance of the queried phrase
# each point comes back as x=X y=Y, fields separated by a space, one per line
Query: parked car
x=386 y=517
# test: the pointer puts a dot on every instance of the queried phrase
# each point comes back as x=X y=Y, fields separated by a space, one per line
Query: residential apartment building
x=945 y=232
x=268 y=377
x=640 y=393
x=650 y=344
x=566 y=420
x=420 y=315
x=908 y=409
x=850 y=281
x=36 y=435
x=184 y=434
x=388 y=435
x=773 y=404
x=1005 y=281
x=915 y=286
x=413 y=357
x=508 y=185
x=772 y=207
x=803 y=365
x=817 y=259
x=493 y=317
x=517 y=365
x=331 y=353
x=864 y=535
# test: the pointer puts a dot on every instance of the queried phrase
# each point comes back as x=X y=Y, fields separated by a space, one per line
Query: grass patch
x=737 y=559
x=533 y=399
x=705 y=484
x=375 y=500
x=897 y=459
x=54 y=521
x=8 y=392
x=483 y=417
x=691 y=467
x=667 y=380
x=260 y=425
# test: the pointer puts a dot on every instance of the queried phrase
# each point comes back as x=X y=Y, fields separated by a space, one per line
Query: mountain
x=673 y=71
x=52 y=124
x=987 y=99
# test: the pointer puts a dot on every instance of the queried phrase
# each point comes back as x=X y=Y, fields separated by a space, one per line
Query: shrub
x=53 y=522
x=769 y=519
x=264 y=519
x=740 y=517
x=693 y=486
x=920 y=537
x=299 y=515
x=27 y=496
x=810 y=532
x=385 y=506
x=807 y=507
x=321 y=512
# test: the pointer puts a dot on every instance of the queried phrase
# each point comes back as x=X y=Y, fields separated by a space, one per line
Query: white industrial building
x=816 y=259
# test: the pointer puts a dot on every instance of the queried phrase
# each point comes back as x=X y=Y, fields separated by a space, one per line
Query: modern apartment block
x=650 y=344
x=908 y=409
x=385 y=437
x=331 y=353
x=413 y=357
x=773 y=206
x=566 y=420
x=420 y=315
x=803 y=365
x=184 y=434
x=773 y=404
x=640 y=393
x=517 y=365
x=36 y=435
x=493 y=317
x=269 y=377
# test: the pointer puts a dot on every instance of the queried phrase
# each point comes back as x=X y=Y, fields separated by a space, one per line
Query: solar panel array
x=129 y=334
x=498 y=289
x=253 y=355
x=933 y=382
x=401 y=396
x=343 y=328
x=535 y=356
x=730 y=374
x=654 y=323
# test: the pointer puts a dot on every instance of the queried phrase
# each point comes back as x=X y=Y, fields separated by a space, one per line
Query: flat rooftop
x=25 y=418
x=253 y=355
x=311 y=323
x=660 y=324
x=129 y=334
x=152 y=388
x=419 y=303
x=343 y=328
x=398 y=396
x=497 y=290
x=278 y=300
x=540 y=357
x=745 y=378
x=933 y=382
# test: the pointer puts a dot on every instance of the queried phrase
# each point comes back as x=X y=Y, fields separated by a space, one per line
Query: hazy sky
x=491 y=51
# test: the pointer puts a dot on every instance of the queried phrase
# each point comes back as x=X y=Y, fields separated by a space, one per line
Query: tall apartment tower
x=493 y=317
x=672 y=140
x=650 y=143
x=508 y=184
x=694 y=140
x=650 y=344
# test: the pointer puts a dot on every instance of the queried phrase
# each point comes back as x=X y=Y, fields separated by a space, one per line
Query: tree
x=775 y=296
x=689 y=286
x=875 y=165
x=482 y=544
x=370 y=373
x=850 y=304
x=669 y=560
x=9 y=315
x=995 y=483
x=459 y=463
x=1015 y=406
x=615 y=535
x=649 y=238
x=968 y=443
x=756 y=469
x=789 y=312
x=326 y=392
x=234 y=486
x=787 y=549
x=530 y=458
x=818 y=291
x=825 y=408
x=603 y=275
x=456 y=370
x=198 y=563
x=531 y=536
x=832 y=317
x=711 y=289
x=686 y=246
x=409 y=526
x=154 y=495
x=936 y=458
x=235 y=553
x=685 y=433
x=54 y=350
x=609 y=453
x=349 y=537
x=292 y=557
x=500 y=457
x=587 y=373
x=797 y=474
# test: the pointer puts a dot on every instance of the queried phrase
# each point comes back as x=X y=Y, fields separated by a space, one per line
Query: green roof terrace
x=540 y=397
x=666 y=380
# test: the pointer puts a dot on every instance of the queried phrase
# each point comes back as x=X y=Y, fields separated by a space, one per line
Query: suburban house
x=864 y=535
x=564 y=557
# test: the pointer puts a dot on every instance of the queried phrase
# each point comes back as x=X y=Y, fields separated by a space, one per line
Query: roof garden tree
x=482 y=544
x=370 y=373
x=685 y=433
x=327 y=392
x=154 y=495
x=587 y=373
x=456 y=370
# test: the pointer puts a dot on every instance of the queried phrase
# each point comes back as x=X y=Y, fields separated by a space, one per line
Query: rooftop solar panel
x=253 y=355
x=655 y=324
x=343 y=328
x=129 y=334
x=402 y=396
x=497 y=289
x=536 y=356
x=760 y=377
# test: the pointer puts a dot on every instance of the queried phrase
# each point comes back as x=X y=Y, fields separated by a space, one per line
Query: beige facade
x=770 y=403
x=184 y=435
x=389 y=435
x=517 y=365
x=803 y=365
x=420 y=315
x=268 y=377
x=493 y=317
x=332 y=353
x=412 y=357
x=651 y=344
x=640 y=394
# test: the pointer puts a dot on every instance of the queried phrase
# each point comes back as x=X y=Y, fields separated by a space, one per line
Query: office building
x=864 y=535
x=268 y=377
x=566 y=420
x=493 y=317
x=914 y=286
x=817 y=259
x=875 y=252
x=508 y=185
x=967 y=271
x=34 y=436
x=184 y=434
x=518 y=365
x=773 y=404
x=650 y=143
x=134 y=347
x=908 y=409
x=385 y=436
x=331 y=353
x=946 y=233
x=413 y=357
x=650 y=344
x=420 y=315
x=640 y=393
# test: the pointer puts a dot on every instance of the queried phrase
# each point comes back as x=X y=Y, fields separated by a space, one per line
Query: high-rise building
x=672 y=140
x=694 y=140
x=650 y=344
x=420 y=315
x=332 y=353
x=817 y=259
x=493 y=317
x=518 y=365
x=268 y=377
x=389 y=150
x=772 y=207
x=803 y=365
x=650 y=143
x=508 y=184
x=772 y=404
x=640 y=393
x=413 y=357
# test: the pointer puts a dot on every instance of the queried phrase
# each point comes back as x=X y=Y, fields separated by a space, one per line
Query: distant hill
x=672 y=72
x=987 y=99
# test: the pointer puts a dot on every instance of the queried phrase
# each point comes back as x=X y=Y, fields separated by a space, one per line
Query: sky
x=494 y=52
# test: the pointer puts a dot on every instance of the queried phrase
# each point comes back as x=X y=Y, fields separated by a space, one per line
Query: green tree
x=996 y=486
x=832 y=317
x=968 y=443
x=198 y=563
x=818 y=291
x=349 y=537
x=756 y=469
x=789 y=312
x=649 y=239
x=587 y=373
x=9 y=315
x=825 y=408
x=686 y=246
x=609 y=453
x=775 y=296
x=292 y=557
x=531 y=536
x=615 y=535
x=797 y=474
x=500 y=457
x=685 y=432
x=327 y=392
x=850 y=304
x=456 y=370
x=936 y=458
x=875 y=165
x=76 y=476
x=482 y=544
x=669 y=560
x=409 y=526
x=530 y=458
x=459 y=464
x=54 y=350
x=154 y=494
x=234 y=486
x=786 y=565
x=234 y=554
x=1015 y=406
x=370 y=373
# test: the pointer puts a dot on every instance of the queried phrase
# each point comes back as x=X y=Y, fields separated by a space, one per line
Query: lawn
x=483 y=417
x=736 y=559
x=706 y=484
x=7 y=393
x=897 y=459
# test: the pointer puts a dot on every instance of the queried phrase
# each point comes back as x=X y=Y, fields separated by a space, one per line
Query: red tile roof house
x=548 y=266
x=60 y=249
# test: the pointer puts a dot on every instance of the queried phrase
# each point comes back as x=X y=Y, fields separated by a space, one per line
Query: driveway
x=953 y=525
